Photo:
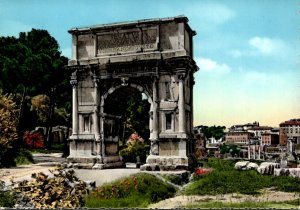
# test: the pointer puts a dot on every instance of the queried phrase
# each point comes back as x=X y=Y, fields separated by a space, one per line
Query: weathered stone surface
x=150 y=56
x=267 y=168
x=241 y=165
x=111 y=149
x=293 y=172
x=168 y=149
x=98 y=166
x=252 y=166
x=170 y=161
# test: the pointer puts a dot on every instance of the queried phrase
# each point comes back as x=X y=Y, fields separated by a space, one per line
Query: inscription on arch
x=127 y=41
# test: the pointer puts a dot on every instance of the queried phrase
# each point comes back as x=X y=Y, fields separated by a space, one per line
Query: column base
x=165 y=163
x=98 y=163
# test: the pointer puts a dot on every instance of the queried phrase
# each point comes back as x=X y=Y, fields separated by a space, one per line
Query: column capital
x=73 y=80
x=181 y=76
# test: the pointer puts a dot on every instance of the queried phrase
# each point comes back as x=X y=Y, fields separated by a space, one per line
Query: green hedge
x=138 y=190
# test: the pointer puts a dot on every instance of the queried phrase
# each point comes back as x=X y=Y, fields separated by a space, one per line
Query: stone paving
x=44 y=162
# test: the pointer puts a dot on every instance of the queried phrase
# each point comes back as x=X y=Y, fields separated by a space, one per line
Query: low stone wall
x=293 y=172
x=245 y=165
x=268 y=168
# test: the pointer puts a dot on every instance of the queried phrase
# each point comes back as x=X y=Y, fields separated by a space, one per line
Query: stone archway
x=153 y=56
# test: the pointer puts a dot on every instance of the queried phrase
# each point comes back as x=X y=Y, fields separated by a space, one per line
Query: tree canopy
x=136 y=116
x=8 y=125
x=213 y=131
x=32 y=61
x=32 y=69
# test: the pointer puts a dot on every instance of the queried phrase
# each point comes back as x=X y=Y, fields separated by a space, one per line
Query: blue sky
x=247 y=51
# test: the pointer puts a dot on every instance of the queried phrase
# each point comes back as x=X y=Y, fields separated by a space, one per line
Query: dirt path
x=23 y=172
x=182 y=201
x=44 y=163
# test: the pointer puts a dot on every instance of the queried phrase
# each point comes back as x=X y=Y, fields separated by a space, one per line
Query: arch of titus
x=110 y=62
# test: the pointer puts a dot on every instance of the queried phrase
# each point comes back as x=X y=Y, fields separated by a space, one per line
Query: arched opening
x=126 y=109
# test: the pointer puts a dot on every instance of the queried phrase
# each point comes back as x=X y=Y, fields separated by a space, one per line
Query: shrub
x=33 y=140
x=135 y=191
x=135 y=147
x=8 y=127
x=174 y=179
x=199 y=172
x=6 y=197
x=61 y=190
x=24 y=157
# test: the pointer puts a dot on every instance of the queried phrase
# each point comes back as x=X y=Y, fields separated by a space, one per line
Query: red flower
x=201 y=171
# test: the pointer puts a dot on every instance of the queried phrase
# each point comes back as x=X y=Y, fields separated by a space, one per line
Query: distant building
x=269 y=139
x=290 y=130
x=239 y=134
x=238 y=137
x=200 y=146
x=259 y=130
x=243 y=127
x=282 y=136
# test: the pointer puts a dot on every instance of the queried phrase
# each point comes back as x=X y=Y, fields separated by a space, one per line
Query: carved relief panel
x=127 y=41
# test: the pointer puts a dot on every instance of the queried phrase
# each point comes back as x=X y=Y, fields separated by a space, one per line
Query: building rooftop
x=261 y=128
x=130 y=24
x=291 y=122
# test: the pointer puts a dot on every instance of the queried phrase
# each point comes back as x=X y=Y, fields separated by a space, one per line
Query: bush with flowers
x=33 y=140
x=199 y=172
x=135 y=147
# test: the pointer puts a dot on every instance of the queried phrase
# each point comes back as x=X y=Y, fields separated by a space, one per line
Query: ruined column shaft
x=249 y=152
x=102 y=149
x=75 y=125
x=155 y=115
x=96 y=113
x=181 y=108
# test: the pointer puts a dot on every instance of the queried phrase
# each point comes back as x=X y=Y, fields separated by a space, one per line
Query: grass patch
x=225 y=179
x=24 y=157
x=55 y=148
x=138 y=190
x=222 y=205
x=175 y=179
x=6 y=199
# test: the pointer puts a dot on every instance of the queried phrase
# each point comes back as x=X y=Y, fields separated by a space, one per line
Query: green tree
x=8 y=126
x=40 y=104
x=136 y=117
x=213 y=131
x=31 y=65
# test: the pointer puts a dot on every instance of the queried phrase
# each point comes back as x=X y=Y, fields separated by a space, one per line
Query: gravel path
x=46 y=162
x=182 y=201
x=23 y=172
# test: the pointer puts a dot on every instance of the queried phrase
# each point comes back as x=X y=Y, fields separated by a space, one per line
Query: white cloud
x=264 y=46
x=209 y=65
x=211 y=12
